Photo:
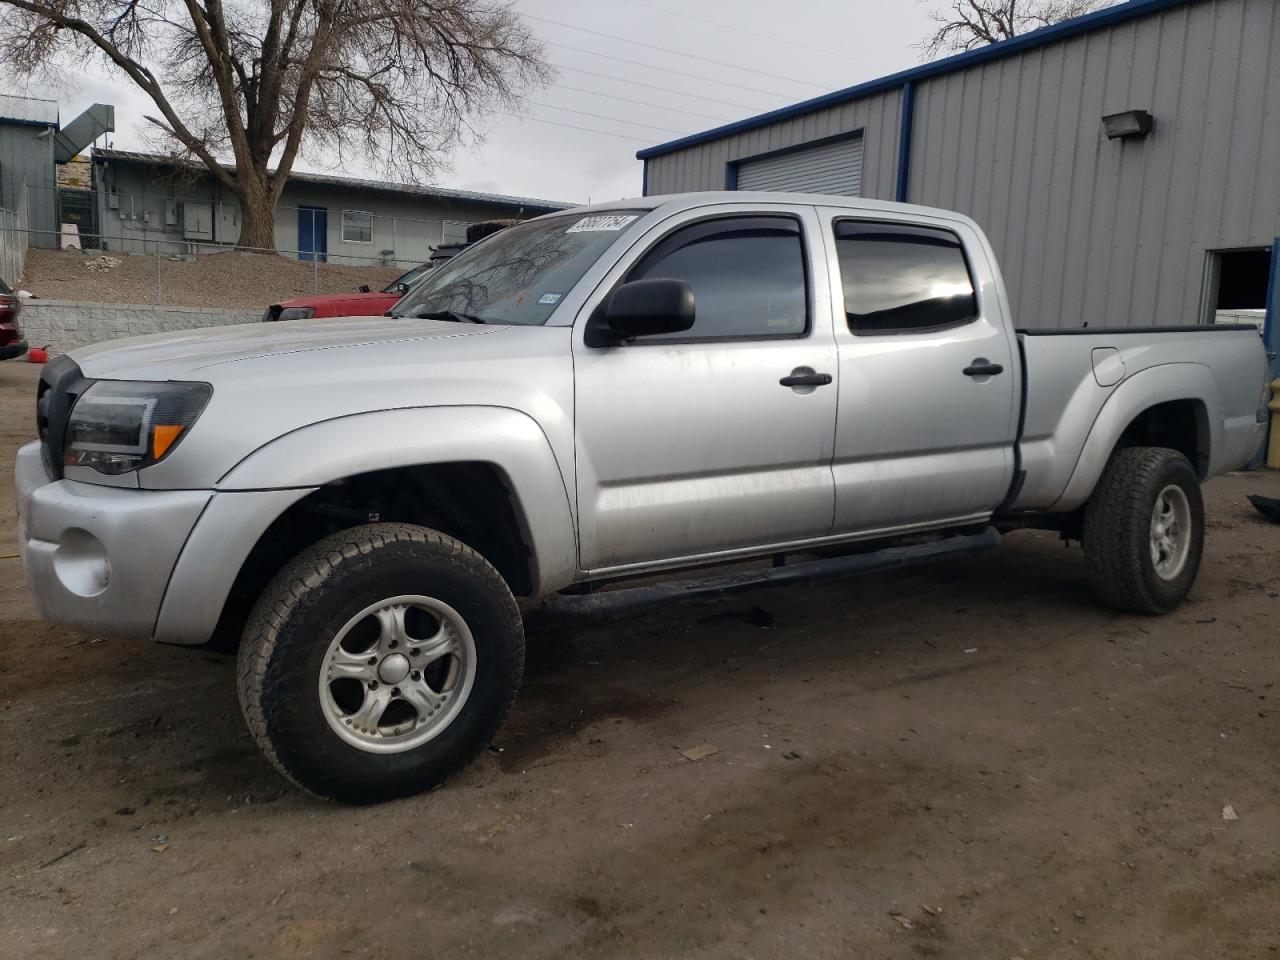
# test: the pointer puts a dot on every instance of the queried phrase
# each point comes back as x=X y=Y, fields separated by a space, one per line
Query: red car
x=364 y=303
x=11 y=342
x=368 y=303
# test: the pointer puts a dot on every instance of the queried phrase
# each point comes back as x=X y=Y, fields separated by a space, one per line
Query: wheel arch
x=1171 y=405
x=485 y=475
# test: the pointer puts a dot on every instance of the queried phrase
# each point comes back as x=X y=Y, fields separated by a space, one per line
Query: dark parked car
x=11 y=342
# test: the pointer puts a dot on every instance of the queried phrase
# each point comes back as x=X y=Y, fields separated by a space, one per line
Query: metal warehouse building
x=1125 y=164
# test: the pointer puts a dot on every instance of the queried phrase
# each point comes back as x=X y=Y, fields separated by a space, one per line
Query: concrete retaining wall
x=67 y=324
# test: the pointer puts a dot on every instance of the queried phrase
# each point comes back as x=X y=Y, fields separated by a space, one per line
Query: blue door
x=313 y=233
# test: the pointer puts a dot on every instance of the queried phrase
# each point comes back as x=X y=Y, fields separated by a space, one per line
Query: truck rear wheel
x=1144 y=530
x=379 y=662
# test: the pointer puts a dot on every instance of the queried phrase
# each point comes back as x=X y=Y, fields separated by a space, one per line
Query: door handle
x=982 y=367
x=805 y=379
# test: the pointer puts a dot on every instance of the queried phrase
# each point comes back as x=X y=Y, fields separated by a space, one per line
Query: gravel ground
x=968 y=760
x=230 y=280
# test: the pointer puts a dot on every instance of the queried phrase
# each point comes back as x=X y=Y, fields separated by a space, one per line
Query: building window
x=902 y=279
x=357 y=226
x=453 y=231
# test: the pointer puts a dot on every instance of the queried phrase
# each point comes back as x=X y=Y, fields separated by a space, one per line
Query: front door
x=928 y=376
x=313 y=233
x=689 y=445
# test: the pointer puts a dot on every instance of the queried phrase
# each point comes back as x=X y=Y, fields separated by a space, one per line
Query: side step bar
x=631 y=600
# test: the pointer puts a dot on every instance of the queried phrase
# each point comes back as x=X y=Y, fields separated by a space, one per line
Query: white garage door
x=831 y=168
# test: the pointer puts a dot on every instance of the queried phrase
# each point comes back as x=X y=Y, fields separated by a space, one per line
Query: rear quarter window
x=899 y=278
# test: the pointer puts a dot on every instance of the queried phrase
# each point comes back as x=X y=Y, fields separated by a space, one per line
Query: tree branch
x=966 y=24
x=140 y=75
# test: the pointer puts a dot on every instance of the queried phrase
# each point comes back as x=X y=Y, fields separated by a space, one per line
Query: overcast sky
x=766 y=54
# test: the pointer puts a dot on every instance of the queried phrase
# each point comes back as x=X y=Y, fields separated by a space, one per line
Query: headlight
x=297 y=313
x=118 y=426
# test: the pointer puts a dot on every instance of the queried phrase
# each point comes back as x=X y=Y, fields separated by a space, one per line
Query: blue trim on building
x=731 y=176
x=1271 y=325
x=644 y=183
x=1107 y=17
x=905 y=121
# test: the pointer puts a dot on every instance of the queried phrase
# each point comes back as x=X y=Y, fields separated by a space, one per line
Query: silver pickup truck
x=663 y=383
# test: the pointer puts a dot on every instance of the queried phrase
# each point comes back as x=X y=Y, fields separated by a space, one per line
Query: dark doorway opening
x=1242 y=284
x=1238 y=285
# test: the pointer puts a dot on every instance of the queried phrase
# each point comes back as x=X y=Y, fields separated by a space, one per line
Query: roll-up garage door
x=831 y=168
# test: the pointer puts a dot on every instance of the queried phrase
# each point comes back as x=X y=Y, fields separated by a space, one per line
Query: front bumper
x=98 y=557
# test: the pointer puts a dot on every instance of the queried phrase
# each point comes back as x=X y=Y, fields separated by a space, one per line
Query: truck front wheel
x=379 y=662
x=1144 y=530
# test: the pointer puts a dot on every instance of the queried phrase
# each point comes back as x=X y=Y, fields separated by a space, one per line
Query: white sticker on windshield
x=549 y=298
x=601 y=224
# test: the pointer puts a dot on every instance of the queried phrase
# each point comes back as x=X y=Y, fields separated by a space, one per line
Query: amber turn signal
x=163 y=436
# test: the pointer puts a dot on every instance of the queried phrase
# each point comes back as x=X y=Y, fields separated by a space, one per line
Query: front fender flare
x=278 y=474
x=509 y=440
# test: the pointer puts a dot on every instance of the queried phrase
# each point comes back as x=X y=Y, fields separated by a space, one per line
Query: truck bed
x=1083 y=388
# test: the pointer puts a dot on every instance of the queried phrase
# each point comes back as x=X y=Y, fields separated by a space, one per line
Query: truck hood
x=274 y=378
x=182 y=356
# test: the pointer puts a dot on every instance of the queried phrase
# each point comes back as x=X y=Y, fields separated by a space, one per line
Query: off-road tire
x=299 y=614
x=1117 y=530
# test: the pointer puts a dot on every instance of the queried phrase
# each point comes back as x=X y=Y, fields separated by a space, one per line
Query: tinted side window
x=900 y=279
x=747 y=275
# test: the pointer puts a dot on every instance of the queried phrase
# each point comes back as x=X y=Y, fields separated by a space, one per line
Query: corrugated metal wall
x=1115 y=231
x=1087 y=229
x=27 y=158
x=703 y=167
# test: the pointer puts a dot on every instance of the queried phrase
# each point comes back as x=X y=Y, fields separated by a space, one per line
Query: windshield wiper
x=453 y=315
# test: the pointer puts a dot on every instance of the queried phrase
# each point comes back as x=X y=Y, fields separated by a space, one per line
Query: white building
x=143 y=200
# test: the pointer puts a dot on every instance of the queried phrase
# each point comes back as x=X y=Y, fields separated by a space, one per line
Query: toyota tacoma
x=588 y=398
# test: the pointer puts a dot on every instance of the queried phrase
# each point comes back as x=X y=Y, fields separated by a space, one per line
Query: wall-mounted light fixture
x=1130 y=123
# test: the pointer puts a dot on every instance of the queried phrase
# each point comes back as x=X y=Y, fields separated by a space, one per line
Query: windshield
x=520 y=274
x=406 y=280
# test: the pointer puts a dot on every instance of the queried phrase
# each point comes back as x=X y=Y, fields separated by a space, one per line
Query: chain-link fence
x=189 y=274
x=14 y=240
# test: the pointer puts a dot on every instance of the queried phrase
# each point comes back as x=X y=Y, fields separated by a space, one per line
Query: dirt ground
x=228 y=280
x=968 y=760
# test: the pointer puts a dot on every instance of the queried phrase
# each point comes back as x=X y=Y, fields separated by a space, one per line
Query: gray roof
x=28 y=110
x=344 y=183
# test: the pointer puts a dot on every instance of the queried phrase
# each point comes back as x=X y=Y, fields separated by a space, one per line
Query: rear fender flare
x=1145 y=389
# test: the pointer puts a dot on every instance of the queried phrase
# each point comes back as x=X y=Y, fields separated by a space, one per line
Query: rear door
x=690 y=445
x=928 y=377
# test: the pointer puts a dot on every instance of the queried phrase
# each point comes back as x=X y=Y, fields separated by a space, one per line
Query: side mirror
x=644 y=308
x=364 y=288
x=402 y=288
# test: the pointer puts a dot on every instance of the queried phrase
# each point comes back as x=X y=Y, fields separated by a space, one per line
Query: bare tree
x=395 y=82
x=966 y=24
